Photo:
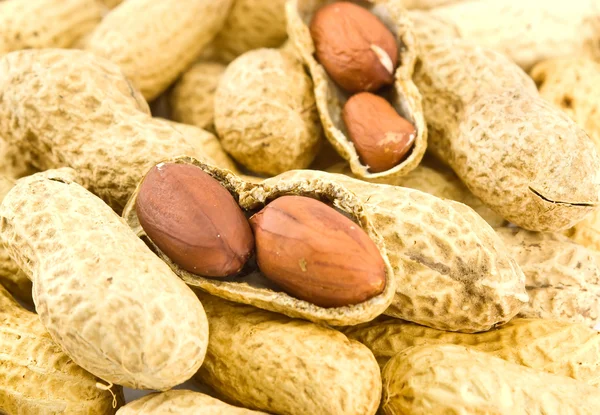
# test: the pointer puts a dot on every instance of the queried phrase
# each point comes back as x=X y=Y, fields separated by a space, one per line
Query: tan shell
x=553 y=346
x=270 y=362
x=523 y=158
x=562 y=277
x=587 y=232
x=155 y=41
x=444 y=379
x=13 y=164
x=27 y=24
x=86 y=115
x=452 y=271
x=251 y=24
x=192 y=98
x=181 y=402
x=111 y=4
x=251 y=287
x=37 y=377
x=428 y=4
x=265 y=112
x=330 y=98
x=92 y=278
x=440 y=182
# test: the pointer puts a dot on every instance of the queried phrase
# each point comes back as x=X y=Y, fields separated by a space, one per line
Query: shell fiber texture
x=251 y=24
x=70 y=108
x=554 y=346
x=27 y=24
x=265 y=113
x=428 y=4
x=156 y=41
x=205 y=142
x=562 y=277
x=266 y=361
x=451 y=379
x=440 y=182
x=182 y=402
x=192 y=98
x=452 y=271
x=37 y=377
x=105 y=298
x=250 y=286
x=522 y=157
x=587 y=232
x=13 y=164
x=330 y=99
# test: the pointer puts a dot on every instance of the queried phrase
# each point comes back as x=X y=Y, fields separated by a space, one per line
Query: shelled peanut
x=105 y=299
x=442 y=379
x=553 y=346
x=37 y=376
x=562 y=277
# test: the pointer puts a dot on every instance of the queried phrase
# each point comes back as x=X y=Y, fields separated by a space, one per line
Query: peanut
x=562 y=277
x=452 y=271
x=553 y=346
x=181 y=402
x=13 y=164
x=104 y=298
x=265 y=113
x=442 y=379
x=276 y=364
x=428 y=4
x=37 y=377
x=111 y=4
x=153 y=57
x=251 y=286
x=316 y=254
x=330 y=99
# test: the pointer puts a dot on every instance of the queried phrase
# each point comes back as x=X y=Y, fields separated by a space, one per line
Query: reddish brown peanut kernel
x=380 y=135
x=358 y=52
x=316 y=254
x=194 y=220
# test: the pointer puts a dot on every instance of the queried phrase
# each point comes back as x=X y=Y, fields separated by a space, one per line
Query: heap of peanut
x=299 y=207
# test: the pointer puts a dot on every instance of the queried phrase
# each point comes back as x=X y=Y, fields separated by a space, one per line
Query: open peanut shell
x=330 y=98
x=250 y=286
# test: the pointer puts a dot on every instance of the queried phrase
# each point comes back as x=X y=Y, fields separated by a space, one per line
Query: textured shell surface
x=182 y=402
x=251 y=286
x=38 y=378
x=13 y=163
x=265 y=112
x=554 y=346
x=103 y=296
x=562 y=277
x=155 y=41
x=428 y=4
x=523 y=158
x=443 y=379
x=452 y=271
x=285 y=366
x=330 y=99
x=70 y=108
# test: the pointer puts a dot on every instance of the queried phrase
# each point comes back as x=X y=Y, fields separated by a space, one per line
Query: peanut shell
x=13 y=164
x=284 y=366
x=250 y=286
x=443 y=379
x=38 y=378
x=265 y=113
x=156 y=41
x=452 y=271
x=404 y=95
x=103 y=296
x=181 y=402
x=562 y=277
x=428 y=4
x=554 y=346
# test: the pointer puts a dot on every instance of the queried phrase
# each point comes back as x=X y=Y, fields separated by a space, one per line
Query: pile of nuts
x=298 y=207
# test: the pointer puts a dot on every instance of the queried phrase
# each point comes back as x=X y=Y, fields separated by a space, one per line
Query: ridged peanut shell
x=452 y=271
x=559 y=347
x=562 y=277
x=265 y=113
x=181 y=402
x=103 y=296
x=156 y=41
x=330 y=99
x=37 y=377
x=13 y=164
x=443 y=379
x=270 y=362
